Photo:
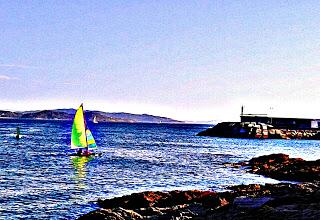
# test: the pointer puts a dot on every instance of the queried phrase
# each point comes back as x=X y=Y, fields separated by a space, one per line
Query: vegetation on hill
x=68 y=114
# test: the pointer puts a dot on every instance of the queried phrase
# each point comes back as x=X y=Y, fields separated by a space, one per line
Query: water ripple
x=39 y=181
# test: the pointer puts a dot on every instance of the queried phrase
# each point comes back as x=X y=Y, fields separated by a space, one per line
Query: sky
x=189 y=60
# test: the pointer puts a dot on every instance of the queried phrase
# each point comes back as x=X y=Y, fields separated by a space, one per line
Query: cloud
x=4 y=77
x=20 y=66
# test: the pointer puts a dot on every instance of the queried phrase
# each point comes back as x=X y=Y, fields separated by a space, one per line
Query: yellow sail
x=78 y=135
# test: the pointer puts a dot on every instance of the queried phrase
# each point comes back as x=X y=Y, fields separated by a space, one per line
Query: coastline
x=99 y=116
x=299 y=200
x=70 y=120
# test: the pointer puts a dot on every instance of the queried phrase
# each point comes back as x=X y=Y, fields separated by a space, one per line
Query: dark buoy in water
x=18 y=133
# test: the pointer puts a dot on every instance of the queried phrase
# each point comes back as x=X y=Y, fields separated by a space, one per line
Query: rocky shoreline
x=269 y=201
x=281 y=167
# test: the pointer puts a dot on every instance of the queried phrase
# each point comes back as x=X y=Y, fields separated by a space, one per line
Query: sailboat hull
x=90 y=155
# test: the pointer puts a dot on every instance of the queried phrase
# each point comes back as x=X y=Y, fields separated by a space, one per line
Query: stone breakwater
x=270 y=201
x=258 y=130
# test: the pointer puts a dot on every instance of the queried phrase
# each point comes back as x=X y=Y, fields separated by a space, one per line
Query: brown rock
x=272 y=158
x=280 y=166
x=114 y=214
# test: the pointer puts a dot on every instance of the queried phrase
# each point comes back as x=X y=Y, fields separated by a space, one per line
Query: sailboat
x=81 y=136
x=95 y=120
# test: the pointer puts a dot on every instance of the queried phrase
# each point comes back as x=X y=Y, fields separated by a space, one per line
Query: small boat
x=18 y=133
x=95 y=120
x=81 y=137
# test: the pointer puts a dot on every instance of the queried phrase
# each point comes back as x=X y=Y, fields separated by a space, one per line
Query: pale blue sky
x=190 y=60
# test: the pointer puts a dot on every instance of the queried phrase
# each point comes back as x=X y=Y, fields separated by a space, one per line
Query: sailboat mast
x=85 y=125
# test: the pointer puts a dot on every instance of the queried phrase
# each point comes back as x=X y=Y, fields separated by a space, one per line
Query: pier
x=260 y=126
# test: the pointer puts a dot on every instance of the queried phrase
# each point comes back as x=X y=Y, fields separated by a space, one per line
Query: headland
x=100 y=116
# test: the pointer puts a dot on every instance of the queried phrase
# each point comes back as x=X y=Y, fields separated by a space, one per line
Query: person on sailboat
x=86 y=153
x=83 y=153
x=79 y=152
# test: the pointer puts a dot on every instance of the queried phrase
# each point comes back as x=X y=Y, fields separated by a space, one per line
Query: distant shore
x=37 y=119
x=57 y=119
x=100 y=116
x=269 y=201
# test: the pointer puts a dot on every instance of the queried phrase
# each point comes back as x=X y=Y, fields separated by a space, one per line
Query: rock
x=111 y=214
x=162 y=199
x=150 y=211
x=135 y=200
x=127 y=214
x=281 y=167
x=254 y=201
x=250 y=202
x=197 y=209
x=267 y=159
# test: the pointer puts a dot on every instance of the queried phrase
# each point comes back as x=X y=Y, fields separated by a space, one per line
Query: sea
x=40 y=180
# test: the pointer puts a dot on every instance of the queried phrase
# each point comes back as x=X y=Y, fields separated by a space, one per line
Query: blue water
x=38 y=180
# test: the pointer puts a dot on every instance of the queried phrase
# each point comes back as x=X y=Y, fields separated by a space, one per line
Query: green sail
x=78 y=135
x=90 y=140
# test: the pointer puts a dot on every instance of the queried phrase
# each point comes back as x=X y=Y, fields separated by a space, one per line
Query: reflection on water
x=79 y=164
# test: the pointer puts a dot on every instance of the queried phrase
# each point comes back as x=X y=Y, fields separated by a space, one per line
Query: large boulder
x=111 y=214
x=281 y=167
x=161 y=199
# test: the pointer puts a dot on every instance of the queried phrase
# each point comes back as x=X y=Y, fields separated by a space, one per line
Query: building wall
x=287 y=123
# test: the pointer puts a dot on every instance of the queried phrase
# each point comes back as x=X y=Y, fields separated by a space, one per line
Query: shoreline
x=270 y=201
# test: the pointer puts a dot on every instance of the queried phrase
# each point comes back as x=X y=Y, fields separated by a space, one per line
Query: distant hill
x=8 y=114
x=144 y=118
x=68 y=114
x=47 y=114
